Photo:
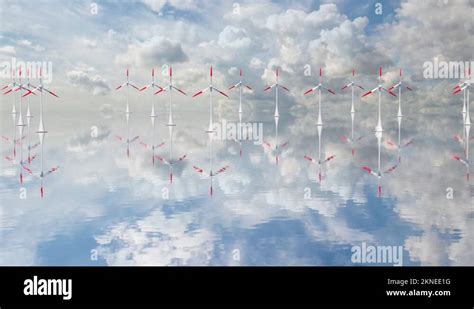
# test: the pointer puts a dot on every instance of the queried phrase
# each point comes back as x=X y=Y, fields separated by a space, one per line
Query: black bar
x=283 y=285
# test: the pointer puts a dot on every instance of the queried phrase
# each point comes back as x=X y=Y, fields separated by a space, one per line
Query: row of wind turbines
x=276 y=149
x=21 y=89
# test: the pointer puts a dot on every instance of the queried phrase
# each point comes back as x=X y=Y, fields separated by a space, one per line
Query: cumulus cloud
x=148 y=53
x=88 y=81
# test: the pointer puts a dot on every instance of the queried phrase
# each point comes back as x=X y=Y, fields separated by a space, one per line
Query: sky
x=101 y=200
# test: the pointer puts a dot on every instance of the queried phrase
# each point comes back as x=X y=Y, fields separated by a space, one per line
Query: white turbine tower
x=319 y=87
x=127 y=141
x=41 y=129
x=211 y=174
x=240 y=85
x=400 y=85
x=170 y=162
x=276 y=116
x=352 y=140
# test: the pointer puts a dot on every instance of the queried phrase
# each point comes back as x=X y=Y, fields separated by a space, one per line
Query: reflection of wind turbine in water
x=465 y=160
x=127 y=141
x=153 y=86
x=170 y=162
x=379 y=135
x=465 y=87
x=42 y=131
x=399 y=145
x=352 y=140
x=319 y=125
x=277 y=149
x=211 y=174
x=240 y=85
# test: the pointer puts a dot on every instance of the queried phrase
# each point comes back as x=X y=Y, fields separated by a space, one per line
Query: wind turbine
x=170 y=162
x=379 y=134
x=276 y=116
x=41 y=130
x=400 y=85
x=128 y=141
x=319 y=125
x=351 y=140
x=240 y=85
x=380 y=88
x=465 y=161
x=211 y=173
x=153 y=86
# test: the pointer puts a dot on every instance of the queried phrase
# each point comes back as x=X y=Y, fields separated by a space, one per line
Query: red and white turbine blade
x=370 y=92
x=119 y=138
x=160 y=91
x=329 y=90
x=177 y=89
x=200 y=92
x=391 y=169
x=160 y=145
x=51 y=93
x=284 y=88
x=457 y=91
x=284 y=144
x=134 y=139
x=54 y=169
x=120 y=86
x=408 y=87
x=222 y=169
x=158 y=158
x=269 y=87
x=198 y=169
x=27 y=169
x=330 y=158
x=408 y=143
x=309 y=159
x=145 y=87
x=368 y=169
x=134 y=86
x=267 y=144
x=388 y=91
x=248 y=87
x=221 y=92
